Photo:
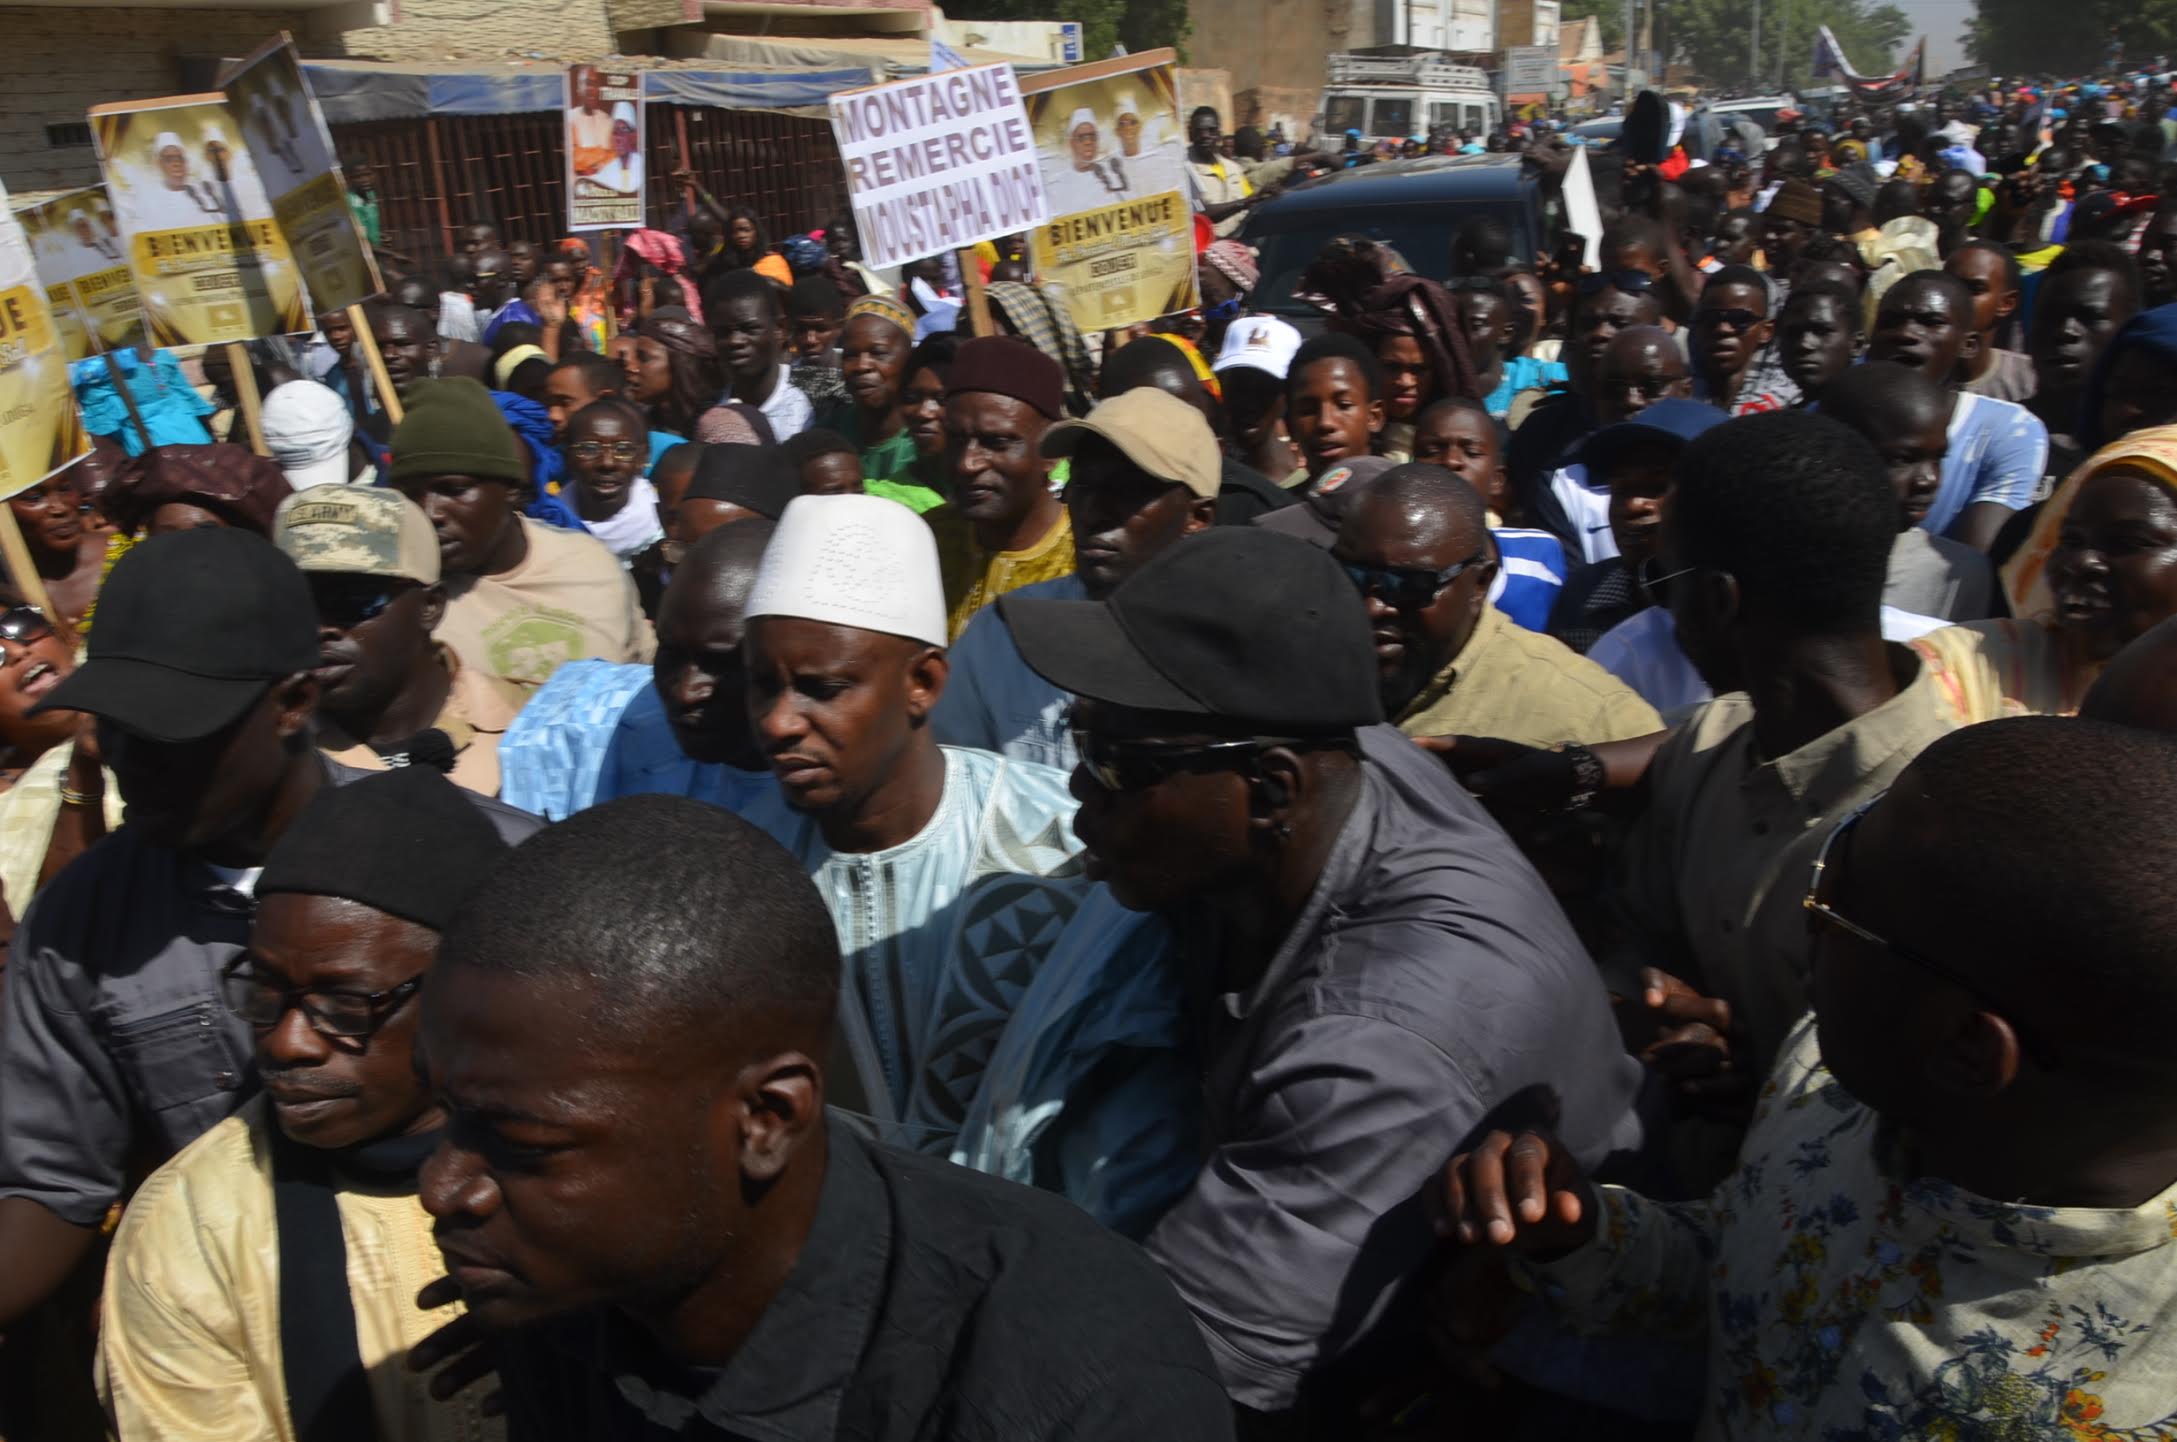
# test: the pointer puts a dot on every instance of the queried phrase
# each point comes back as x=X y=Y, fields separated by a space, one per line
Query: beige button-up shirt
x=1523 y=686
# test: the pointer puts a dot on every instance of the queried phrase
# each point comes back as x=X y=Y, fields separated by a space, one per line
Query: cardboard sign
x=210 y=263
x=286 y=136
x=40 y=428
x=82 y=261
x=1114 y=156
x=604 y=149
x=938 y=162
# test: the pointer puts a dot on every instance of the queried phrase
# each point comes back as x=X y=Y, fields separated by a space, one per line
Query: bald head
x=718 y=572
x=1641 y=364
x=1880 y=400
x=699 y=672
x=2139 y=685
x=1431 y=505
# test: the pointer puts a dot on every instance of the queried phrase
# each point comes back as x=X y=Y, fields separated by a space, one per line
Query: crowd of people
x=757 y=852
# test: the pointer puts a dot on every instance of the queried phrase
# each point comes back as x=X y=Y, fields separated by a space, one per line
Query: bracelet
x=1587 y=776
x=79 y=798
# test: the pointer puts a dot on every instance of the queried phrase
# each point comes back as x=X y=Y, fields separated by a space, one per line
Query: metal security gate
x=438 y=173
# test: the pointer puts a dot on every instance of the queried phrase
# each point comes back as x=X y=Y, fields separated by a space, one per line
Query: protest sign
x=1113 y=152
x=210 y=263
x=604 y=149
x=938 y=162
x=83 y=265
x=285 y=135
x=40 y=427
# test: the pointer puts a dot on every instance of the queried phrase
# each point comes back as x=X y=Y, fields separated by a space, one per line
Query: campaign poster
x=40 y=428
x=938 y=162
x=210 y=263
x=1113 y=151
x=604 y=149
x=83 y=265
x=284 y=133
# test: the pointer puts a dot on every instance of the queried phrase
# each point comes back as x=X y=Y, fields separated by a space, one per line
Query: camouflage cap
x=358 y=531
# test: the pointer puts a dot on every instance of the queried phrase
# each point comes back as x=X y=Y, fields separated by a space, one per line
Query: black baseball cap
x=191 y=629
x=1238 y=623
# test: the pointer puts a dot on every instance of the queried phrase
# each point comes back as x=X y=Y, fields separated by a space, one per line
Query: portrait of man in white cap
x=624 y=172
x=1089 y=179
x=90 y=249
x=232 y=178
x=179 y=199
x=951 y=873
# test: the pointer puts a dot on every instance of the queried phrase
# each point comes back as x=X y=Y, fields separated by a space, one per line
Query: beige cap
x=358 y=531
x=1158 y=432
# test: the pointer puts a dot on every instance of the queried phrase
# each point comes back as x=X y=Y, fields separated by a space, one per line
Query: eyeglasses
x=1657 y=587
x=1820 y=905
x=1632 y=282
x=345 y=602
x=1737 y=317
x=261 y=1001
x=1405 y=589
x=23 y=625
x=621 y=450
x=1126 y=764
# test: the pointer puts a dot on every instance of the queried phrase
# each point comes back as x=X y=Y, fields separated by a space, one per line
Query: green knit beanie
x=453 y=428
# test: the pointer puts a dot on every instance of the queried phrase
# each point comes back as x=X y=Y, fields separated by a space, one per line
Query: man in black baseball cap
x=1380 y=968
x=115 y=1044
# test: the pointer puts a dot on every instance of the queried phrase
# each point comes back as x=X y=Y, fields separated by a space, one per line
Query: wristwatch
x=1587 y=776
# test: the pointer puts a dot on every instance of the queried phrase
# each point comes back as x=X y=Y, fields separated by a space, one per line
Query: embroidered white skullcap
x=1081 y=117
x=861 y=561
x=167 y=140
x=623 y=110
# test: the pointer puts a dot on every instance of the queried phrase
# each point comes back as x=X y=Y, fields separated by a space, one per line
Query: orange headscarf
x=2152 y=451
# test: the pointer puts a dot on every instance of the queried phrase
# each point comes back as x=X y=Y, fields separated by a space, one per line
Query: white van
x=1393 y=97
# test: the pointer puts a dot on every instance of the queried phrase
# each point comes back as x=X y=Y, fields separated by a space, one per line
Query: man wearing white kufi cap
x=624 y=172
x=177 y=201
x=1087 y=181
x=952 y=874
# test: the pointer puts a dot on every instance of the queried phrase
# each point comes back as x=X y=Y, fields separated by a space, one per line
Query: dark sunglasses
x=1821 y=906
x=1127 y=764
x=345 y=602
x=1403 y=589
x=1738 y=318
x=262 y=1000
x=1655 y=583
x=24 y=624
x=1632 y=282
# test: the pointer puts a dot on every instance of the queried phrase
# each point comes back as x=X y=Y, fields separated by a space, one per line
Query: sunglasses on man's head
x=1404 y=588
x=1632 y=282
x=24 y=624
x=345 y=602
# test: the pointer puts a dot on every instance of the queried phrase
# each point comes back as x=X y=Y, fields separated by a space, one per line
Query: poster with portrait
x=210 y=263
x=1121 y=235
x=604 y=149
x=284 y=132
x=40 y=428
x=83 y=265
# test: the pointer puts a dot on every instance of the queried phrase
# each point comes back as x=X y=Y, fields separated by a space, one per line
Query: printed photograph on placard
x=1109 y=140
x=210 y=263
x=604 y=149
x=83 y=265
x=40 y=428
x=285 y=134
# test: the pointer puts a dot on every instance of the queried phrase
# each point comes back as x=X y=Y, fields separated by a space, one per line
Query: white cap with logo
x=1261 y=341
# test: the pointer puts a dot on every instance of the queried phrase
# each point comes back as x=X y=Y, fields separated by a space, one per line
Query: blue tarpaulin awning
x=349 y=93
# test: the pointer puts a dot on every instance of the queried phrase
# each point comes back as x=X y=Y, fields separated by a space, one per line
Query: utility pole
x=1753 y=52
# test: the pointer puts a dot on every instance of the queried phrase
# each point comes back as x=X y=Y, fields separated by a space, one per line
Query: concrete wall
x=1274 y=49
x=61 y=62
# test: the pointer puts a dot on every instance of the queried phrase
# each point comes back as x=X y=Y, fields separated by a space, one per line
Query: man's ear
x=773 y=1106
x=434 y=606
x=926 y=677
x=296 y=698
x=1201 y=515
x=1979 y=1058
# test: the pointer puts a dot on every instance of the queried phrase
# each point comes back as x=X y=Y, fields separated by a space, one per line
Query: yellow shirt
x=568 y=600
x=1991 y=669
x=28 y=810
x=1523 y=686
x=189 y=1343
x=975 y=577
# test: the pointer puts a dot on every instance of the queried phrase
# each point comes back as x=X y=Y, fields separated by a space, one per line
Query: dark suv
x=1414 y=206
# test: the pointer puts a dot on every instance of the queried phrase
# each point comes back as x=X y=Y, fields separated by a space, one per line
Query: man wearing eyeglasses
x=267 y=1275
x=389 y=694
x=115 y=1046
x=1732 y=328
x=1417 y=547
x=1952 y=1214
x=1374 y=967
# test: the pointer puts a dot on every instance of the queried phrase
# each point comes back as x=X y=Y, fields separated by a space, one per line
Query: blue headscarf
x=534 y=425
x=2156 y=330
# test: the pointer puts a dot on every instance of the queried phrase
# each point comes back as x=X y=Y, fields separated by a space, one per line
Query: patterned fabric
x=824 y=385
x=943 y=933
x=1839 y=1295
x=28 y=810
x=1038 y=313
x=1596 y=598
x=1991 y=669
x=975 y=577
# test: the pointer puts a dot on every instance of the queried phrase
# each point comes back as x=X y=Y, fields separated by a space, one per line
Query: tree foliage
x=1137 y=24
x=1611 y=12
x=1716 y=37
x=2021 y=37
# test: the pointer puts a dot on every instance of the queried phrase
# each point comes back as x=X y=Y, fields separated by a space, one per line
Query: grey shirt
x=1932 y=575
x=116 y=1043
x=1431 y=984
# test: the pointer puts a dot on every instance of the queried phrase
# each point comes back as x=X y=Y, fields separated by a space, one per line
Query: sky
x=1942 y=21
